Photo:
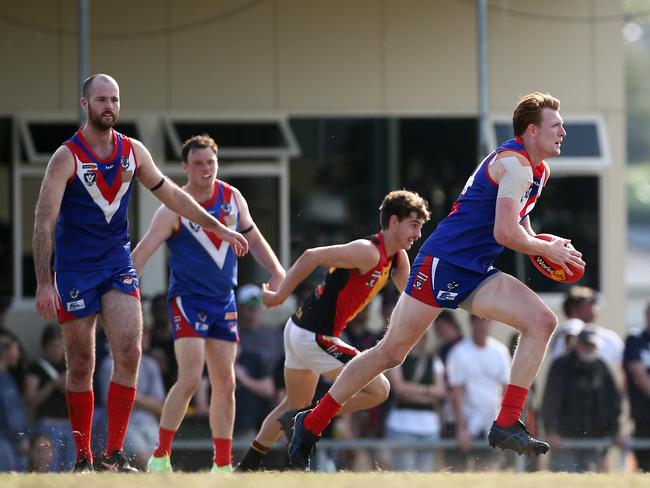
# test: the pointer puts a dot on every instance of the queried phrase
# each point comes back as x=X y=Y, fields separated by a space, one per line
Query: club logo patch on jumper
x=452 y=285
x=74 y=293
x=230 y=220
x=194 y=227
x=320 y=289
x=373 y=279
x=127 y=279
x=76 y=305
x=225 y=207
x=90 y=178
x=124 y=161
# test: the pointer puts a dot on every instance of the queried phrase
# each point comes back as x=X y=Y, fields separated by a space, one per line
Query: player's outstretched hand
x=562 y=252
x=275 y=281
x=237 y=241
x=46 y=301
x=271 y=298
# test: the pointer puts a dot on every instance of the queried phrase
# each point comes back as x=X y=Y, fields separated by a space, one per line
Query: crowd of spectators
x=449 y=387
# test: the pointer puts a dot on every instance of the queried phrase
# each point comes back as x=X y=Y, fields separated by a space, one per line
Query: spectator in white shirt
x=478 y=369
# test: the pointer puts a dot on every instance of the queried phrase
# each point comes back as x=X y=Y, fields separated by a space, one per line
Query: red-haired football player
x=454 y=269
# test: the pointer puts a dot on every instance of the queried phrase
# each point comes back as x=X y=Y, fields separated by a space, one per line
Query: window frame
x=290 y=149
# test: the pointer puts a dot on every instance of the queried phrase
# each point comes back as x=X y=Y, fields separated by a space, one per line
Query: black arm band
x=160 y=183
x=245 y=231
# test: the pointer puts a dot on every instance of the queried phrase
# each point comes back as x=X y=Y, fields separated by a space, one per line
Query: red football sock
x=80 y=411
x=120 y=403
x=165 y=438
x=321 y=415
x=222 y=451
x=512 y=405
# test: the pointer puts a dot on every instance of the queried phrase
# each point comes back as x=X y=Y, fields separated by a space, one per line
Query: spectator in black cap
x=581 y=302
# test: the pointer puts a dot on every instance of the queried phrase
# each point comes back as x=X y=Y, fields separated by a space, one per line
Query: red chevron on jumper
x=109 y=192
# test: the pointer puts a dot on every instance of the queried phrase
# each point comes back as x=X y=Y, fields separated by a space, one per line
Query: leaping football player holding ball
x=454 y=269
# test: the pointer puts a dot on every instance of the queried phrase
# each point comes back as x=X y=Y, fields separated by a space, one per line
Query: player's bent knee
x=127 y=354
x=79 y=366
x=542 y=323
x=392 y=360
x=224 y=383
x=79 y=378
x=548 y=322
x=378 y=389
x=383 y=391
x=188 y=384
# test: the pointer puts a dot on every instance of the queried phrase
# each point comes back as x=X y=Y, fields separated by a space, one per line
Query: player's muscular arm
x=360 y=254
x=59 y=170
x=180 y=202
x=401 y=273
x=527 y=227
x=509 y=233
x=257 y=244
x=514 y=176
x=163 y=225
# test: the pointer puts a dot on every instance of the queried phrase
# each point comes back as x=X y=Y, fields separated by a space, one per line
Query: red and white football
x=552 y=270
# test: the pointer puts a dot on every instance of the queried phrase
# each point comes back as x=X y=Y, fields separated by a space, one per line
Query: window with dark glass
x=437 y=156
x=46 y=137
x=237 y=135
x=6 y=229
x=338 y=182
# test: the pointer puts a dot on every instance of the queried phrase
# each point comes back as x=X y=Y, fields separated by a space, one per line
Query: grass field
x=319 y=480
